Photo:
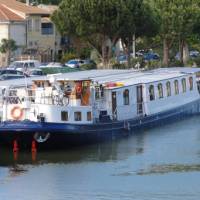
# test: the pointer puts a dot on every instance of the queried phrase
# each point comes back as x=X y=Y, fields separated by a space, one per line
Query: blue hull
x=56 y=135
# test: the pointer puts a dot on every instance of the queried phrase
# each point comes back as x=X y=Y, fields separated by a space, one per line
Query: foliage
x=89 y=66
x=119 y=66
x=195 y=62
x=101 y=21
x=85 y=53
x=7 y=45
x=55 y=70
x=68 y=56
x=177 y=21
x=176 y=63
x=153 y=64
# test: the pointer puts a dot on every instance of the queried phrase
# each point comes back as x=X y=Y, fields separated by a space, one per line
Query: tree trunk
x=181 y=50
x=165 y=52
x=134 y=45
x=129 y=52
x=185 y=53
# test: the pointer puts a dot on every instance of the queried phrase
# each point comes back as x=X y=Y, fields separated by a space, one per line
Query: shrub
x=89 y=66
x=68 y=56
x=85 y=53
x=55 y=70
x=176 y=63
x=196 y=61
x=153 y=64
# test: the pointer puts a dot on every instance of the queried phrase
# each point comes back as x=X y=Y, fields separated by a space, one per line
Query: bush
x=119 y=66
x=176 y=63
x=196 y=61
x=85 y=53
x=89 y=66
x=56 y=70
x=95 y=56
x=68 y=56
x=134 y=62
x=153 y=64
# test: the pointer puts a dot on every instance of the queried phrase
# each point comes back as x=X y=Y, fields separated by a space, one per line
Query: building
x=31 y=28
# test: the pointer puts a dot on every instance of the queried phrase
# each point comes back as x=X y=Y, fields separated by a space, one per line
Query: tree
x=177 y=19
x=7 y=46
x=141 y=21
x=100 y=22
x=187 y=13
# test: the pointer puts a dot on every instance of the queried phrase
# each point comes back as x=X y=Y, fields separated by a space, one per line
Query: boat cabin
x=101 y=96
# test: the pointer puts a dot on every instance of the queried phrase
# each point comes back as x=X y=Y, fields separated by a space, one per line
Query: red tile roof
x=8 y=15
x=23 y=8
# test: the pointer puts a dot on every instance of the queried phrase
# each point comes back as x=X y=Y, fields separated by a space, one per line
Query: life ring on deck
x=41 y=137
x=17 y=113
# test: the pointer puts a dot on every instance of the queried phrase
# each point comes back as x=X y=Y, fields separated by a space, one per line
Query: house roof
x=8 y=15
x=14 y=5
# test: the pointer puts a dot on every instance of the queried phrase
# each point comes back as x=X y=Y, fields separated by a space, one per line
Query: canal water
x=159 y=163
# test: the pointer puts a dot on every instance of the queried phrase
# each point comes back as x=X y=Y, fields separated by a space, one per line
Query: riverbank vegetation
x=163 y=26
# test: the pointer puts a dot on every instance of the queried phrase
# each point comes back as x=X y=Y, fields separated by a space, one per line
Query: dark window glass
x=183 y=85
x=160 y=91
x=191 y=83
x=64 y=116
x=126 y=97
x=77 y=116
x=89 y=116
x=176 y=87
x=168 y=86
x=151 y=93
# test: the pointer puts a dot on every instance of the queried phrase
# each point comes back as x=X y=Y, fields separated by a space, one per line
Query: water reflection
x=109 y=151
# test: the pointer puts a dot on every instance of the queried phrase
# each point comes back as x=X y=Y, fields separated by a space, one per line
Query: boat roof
x=127 y=77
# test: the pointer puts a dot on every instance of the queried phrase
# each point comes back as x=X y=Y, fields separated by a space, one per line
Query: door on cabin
x=114 y=105
x=139 y=100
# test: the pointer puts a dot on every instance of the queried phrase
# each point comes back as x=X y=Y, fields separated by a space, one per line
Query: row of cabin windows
x=168 y=88
x=77 y=116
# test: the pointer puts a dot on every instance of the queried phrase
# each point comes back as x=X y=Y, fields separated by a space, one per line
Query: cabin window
x=168 y=86
x=89 y=116
x=126 y=97
x=191 y=83
x=77 y=116
x=183 y=85
x=160 y=91
x=176 y=87
x=151 y=93
x=64 y=116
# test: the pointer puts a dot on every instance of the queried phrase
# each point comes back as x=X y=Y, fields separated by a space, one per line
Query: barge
x=89 y=106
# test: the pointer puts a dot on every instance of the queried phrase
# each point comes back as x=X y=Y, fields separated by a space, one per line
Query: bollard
x=33 y=147
x=15 y=146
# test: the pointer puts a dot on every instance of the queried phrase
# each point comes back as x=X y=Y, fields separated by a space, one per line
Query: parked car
x=192 y=54
x=53 y=64
x=76 y=63
x=88 y=64
x=151 y=56
x=122 y=59
x=6 y=74
x=36 y=72
x=24 y=65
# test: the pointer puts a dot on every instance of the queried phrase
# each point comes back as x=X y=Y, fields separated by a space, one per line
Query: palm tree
x=7 y=46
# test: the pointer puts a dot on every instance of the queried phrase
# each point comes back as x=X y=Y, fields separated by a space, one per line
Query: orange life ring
x=17 y=113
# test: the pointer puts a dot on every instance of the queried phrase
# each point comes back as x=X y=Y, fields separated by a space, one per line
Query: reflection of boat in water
x=88 y=106
x=101 y=152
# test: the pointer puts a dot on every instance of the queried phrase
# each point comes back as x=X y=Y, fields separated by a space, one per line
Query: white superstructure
x=88 y=97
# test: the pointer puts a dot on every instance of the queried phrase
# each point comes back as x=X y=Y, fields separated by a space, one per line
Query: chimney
x=27 y=2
